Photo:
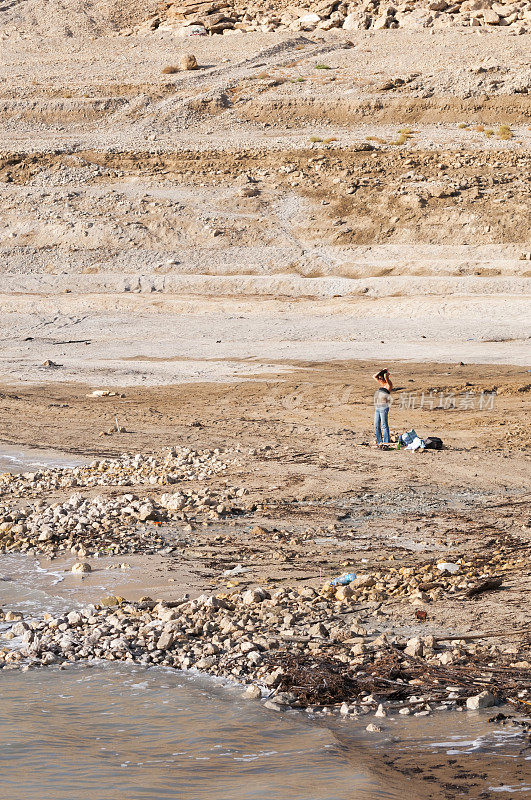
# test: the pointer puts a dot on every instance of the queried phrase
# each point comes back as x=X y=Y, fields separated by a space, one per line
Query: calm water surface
x=15 y=460
x=110 y=733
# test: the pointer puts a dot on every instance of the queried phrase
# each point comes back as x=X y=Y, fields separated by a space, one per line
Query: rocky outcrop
x=191 y=18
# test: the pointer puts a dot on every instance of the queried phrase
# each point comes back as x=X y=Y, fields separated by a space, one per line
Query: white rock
x=252 y=693
x=364 y=580
x=253 y=596
x=414 y=647
x=351 y=23
x=273 y=706
x=448 y=566
x=81 y=567
x=380 y=23
x=309 y=21
x=445 y=658
x=481 y=700
x=490 y=17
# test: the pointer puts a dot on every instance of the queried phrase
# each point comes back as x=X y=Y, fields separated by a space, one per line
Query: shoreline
x=299 y=520
x=389 y=757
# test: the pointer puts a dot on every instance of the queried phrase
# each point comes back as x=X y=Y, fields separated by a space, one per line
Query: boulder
x=188 y=62
x=254 y=596
x=308 y=21
x=318 y=630
x=381 y=22
x=372 y=728
x=343 y=593
x=146 y=513
x=482 y=700
x=363 y=581
x=81 y=567
x=252 y=693
x=353 y=22
x=46 y=534
x=414 y=647
x=165 y=641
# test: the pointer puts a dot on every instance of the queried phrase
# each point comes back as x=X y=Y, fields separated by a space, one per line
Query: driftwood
x=487 y=586
x=451 y=637
x=470 y=637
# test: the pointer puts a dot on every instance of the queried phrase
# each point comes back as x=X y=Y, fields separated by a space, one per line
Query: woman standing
x=382 y=401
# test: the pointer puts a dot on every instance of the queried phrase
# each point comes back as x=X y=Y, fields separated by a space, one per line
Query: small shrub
x=315 y=139
x=462 y=125
x=322 y=66
x=330 y=139
x=170 y=70
x=504 y=132
x=489 y=132
x=479 y=128
x=405 y=135
x=375 y=139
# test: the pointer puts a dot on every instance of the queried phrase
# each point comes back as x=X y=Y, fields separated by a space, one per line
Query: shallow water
x=115 y=732
x=110 y=731
x=16 y=460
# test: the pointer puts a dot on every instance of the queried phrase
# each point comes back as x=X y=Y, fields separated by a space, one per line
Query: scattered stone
x=273 y=706
x=252 y=693
x=482 y=700
x=188 y=62
x=414 y=647
x=81 y=567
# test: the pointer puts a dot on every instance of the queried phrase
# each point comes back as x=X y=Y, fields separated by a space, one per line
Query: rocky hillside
x=222 y=16
x=74 y=18
x=297 y=195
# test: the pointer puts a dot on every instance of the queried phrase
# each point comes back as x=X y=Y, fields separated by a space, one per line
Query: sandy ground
x=304 y=439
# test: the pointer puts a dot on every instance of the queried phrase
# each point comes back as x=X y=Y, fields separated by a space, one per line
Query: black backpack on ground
x=433 y=443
